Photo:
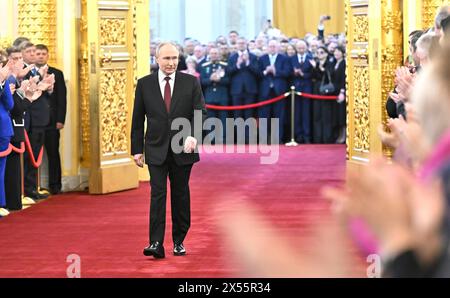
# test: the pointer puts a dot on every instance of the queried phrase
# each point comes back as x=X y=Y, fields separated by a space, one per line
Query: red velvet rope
x=6 y=152
x=11 y=148
x=250 y=106
x=270 y=101
x=20 y=150
x=319 y=97
x=36 y=163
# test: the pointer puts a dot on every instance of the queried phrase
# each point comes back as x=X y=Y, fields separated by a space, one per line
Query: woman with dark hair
x=338 y=77
x=323 y=118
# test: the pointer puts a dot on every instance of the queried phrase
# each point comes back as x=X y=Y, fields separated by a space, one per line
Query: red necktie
x=167 y=94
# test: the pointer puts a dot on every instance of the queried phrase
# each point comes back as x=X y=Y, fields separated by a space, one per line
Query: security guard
x=215 y=80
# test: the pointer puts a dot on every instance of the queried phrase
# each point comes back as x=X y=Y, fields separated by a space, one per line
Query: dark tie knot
x=167 y=79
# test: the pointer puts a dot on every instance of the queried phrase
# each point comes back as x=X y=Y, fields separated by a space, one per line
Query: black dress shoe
x=155 y=249
x=35 y=195
x=179 y=250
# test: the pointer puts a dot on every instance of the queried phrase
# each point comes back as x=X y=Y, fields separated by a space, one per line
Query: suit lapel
x=176 y=91
x=159 y=100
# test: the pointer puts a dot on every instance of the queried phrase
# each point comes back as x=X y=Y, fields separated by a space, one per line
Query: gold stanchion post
x=292 y=143
x=25 y=200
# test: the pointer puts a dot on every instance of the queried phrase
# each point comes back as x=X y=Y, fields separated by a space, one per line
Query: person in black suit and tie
x=244 y=72
x=163 y=98
x=302 y=74
x=275 y=70
x=38 y=117
x=58 y=107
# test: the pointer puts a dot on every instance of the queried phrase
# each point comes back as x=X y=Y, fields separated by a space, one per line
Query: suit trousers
x=4 y=143
x=303 y=118
x=13 y=178
x=52 y=137
x=37 y=138
x=323 y=120
x=179 y=199
x=276 y=110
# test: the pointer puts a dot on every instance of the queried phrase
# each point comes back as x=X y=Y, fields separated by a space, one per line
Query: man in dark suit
x=243 y=71
x=38 y=118
x=274 y=69
x=167 y=98
x=302 y=71
x=58 y=107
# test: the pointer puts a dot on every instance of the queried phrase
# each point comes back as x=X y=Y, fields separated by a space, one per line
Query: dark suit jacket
x=187 y=97
x=338 y=77
x=279 y=81
x=303 y=84
x=245 y=79
x=39 y=110
x=58 y=99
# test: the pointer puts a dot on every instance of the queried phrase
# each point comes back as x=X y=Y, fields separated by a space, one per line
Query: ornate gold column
x=374 y=32
x=37 y=21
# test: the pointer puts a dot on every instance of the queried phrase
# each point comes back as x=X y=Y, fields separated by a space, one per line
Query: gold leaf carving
x=114 y=111
x=112 y=32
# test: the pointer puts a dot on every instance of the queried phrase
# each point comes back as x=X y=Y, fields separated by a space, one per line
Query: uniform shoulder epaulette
x=206 y=64
x=223 y=63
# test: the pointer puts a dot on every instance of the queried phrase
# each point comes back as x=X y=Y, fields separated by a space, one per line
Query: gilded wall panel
x=37 y=21
x=361 y=28
x=114 y=111
x=361 y=109
x=429 y=9
x=112 y=32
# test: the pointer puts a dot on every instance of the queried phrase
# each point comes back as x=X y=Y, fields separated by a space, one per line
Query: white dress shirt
x=162 y=82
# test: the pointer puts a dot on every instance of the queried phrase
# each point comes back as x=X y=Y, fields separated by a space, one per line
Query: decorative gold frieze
x=113 y=111
x=112 y=32
x=37 y=21
x=361 y=109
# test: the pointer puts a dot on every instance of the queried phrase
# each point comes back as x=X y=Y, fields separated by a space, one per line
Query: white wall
x=206 y=19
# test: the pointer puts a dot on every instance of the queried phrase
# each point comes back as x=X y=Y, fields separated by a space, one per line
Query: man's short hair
x=443 y=13
x=234 y=31
x=12 y=50
x=19 y=41
x=165 y=43
x=42 y=47
x=25 y=45
x=445 y=24
x=415 y=37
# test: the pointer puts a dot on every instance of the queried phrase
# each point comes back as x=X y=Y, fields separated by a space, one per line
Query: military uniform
x=216 y=93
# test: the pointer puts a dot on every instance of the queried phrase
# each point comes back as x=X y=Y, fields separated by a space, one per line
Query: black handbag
x=327 y=89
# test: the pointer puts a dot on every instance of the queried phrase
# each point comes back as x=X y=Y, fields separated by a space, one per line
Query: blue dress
x=6 y=132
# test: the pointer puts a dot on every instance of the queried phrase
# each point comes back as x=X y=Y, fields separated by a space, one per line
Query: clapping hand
x=30 y=89
x=190 y=144
x=5 y=71
x=47 y=84
x=43 y=71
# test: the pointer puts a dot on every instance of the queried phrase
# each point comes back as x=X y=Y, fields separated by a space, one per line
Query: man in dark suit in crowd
x=58 y=107
x=302 y=73
x=163 y=98
x=274 y=69
x=215 y=80
x=243 y=71
x=38 y=119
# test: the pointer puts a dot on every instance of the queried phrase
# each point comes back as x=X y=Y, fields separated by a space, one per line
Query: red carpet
x=109 y=232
